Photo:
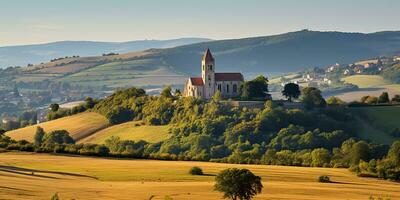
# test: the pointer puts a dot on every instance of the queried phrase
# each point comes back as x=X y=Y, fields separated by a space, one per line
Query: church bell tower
x=208 y=74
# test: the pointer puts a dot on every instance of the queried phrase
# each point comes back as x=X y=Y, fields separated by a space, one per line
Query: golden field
x=79 y=126
x=39 y=176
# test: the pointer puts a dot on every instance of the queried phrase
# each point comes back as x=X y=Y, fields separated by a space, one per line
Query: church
x=210 y=82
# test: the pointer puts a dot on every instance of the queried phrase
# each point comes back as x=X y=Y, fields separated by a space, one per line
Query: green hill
x=259 y=55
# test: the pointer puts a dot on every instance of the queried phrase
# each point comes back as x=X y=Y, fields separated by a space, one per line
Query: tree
x=336 y=101
x=89 y=102
x=58 y=137
x=54 y=107
x=238 y=184
x=312 y=98
x=196 y=171
x=166 y=92
x=394 y=153
x=384 y=98
x=217 y=96
x=255 y=89
x=396 y=98
x=291 y=90
x=38 y=138
x=55 y=197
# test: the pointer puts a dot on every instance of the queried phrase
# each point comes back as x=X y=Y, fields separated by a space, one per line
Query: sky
x=42 y=21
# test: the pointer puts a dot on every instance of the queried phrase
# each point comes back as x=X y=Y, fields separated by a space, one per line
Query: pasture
x=79 y=126
x=39 y=176
x=130 y=131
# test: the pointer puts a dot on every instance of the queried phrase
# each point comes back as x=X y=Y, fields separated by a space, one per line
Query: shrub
x=324 y=179
x=196 y=171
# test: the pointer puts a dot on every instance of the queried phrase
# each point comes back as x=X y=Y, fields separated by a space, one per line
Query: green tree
x=54 y=107
x=291 y=90
x=384 y=98
x=89 y=102
x=396 y=98
x=55 y=197
x=394 y=153
x=58 y=137
x=312 y=98
x=166 y=92
x=238 y=184
x=217 y=96
x=38 y=138
x=255 y=89
x=320 y=157
x=334 y=101
x=196 y=171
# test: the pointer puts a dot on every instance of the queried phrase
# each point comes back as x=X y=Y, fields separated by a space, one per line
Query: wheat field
x=39 y=176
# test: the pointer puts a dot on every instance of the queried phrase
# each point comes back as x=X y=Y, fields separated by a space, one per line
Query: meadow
x=130 y=131
x=79 y=126
x=39 y=176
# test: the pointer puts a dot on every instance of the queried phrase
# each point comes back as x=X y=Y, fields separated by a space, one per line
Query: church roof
x=198 y=81
x=228 y=77
x=208 y=56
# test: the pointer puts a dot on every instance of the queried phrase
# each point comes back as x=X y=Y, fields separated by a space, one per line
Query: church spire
x=207 y=56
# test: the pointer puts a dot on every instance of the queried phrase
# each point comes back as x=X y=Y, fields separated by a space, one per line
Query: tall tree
x=384 y=98
x=238 y=184
x=255 y=89
x=291 y=90
x=38 y=138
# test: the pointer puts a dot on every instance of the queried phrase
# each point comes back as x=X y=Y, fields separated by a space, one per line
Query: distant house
x=210 y=82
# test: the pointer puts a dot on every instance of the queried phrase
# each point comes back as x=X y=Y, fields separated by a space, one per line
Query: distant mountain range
x=284 y=53
x=34 y=54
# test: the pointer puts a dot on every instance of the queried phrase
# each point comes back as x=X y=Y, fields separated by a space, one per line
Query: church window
x=210 y=66
x=209 y=77
x=227 y=88
x=234 y=88
x=219 y=87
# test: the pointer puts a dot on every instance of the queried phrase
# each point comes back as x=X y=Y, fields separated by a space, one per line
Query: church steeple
x=207 y=57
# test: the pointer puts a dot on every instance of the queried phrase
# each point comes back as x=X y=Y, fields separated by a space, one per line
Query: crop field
x=130 y=131
x=39 y=176
x=79 y=126
x=372 y=85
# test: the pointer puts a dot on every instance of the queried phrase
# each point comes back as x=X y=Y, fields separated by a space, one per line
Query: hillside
x=124 y=179
x=268 y=55
x=129 y=131
x=79 y=126
x=24 y=54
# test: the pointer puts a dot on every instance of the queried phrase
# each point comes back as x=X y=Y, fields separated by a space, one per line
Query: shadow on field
x=32 y=172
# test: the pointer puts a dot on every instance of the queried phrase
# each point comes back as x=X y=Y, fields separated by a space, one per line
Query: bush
x=196 y=171
x=324 y=179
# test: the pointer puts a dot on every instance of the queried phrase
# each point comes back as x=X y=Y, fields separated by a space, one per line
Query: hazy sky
x=39 y=21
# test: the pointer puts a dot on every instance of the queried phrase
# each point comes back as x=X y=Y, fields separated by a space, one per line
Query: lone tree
x=238 y=184
x=54 y=107
x=291 y=90
x=38 y=138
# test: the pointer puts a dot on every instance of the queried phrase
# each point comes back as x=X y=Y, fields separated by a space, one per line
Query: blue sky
x=40 y=21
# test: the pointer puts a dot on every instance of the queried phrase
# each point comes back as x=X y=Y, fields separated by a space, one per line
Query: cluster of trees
x=382 y=99
x=56 y=112
x=27 y=118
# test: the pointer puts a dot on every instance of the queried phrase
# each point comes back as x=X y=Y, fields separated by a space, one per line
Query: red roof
x=228 y=77
x=196 y=81
x=207 y=56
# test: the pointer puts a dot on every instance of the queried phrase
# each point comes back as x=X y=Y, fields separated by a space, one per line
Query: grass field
x=372 y=85
x=128 y=131
x=79 y=126
x=380 y=120
x=39 y=176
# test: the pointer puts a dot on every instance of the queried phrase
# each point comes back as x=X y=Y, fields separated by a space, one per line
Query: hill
x=124 y=179
x=129 y=131
x=24 y=54
x=268 y=55
x=79 y=126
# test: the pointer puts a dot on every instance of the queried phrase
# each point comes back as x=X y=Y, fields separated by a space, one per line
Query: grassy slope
x=366 y=81
x=150 y=179
x=79 y=126
x=128 y=131
x=379 y=121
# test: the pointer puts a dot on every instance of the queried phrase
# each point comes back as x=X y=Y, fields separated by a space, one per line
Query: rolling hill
x=24 y=54
x=79 y=126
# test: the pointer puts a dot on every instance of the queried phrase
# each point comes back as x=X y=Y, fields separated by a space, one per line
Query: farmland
x=79 y=126
x=98 y=178
x=129 y=131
